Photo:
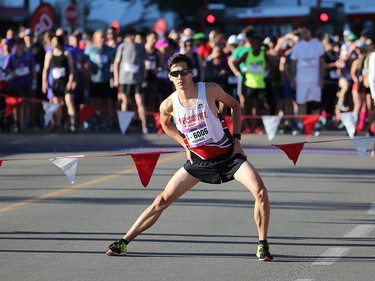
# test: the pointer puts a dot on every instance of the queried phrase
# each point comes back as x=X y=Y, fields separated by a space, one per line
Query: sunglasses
x=182 y=72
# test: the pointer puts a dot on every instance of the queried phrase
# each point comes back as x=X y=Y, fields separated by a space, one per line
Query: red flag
x=229 y=121
x=158 y=125
x=85 y=113
x=145 y=164
x=11 y=103
x=1 y=162
x=292 y=150
x=309 y=122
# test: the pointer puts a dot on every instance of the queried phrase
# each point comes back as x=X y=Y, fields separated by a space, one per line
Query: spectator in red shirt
x=203 y=48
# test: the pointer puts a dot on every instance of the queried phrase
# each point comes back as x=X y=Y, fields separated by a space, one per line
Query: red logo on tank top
x=193 y=118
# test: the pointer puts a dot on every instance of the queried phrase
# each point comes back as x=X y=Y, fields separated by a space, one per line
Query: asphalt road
x=322 y=213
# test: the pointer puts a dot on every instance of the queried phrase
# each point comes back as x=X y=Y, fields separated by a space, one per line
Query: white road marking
x=331 y=255
x=360 y=231
x=371 y=211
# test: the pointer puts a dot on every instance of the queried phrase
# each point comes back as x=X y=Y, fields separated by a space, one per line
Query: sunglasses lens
x=183 y=72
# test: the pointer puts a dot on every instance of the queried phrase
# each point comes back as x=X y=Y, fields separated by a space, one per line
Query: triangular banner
x=361 y=145
x=157 y=124
x=11 y=103
x=85 y=113
x=68 y=165
x=349 y=121
x=309 y=122
x=145 y=164
x=49 y=110
x=124 y=119
x=292 y=150
x=271 y=123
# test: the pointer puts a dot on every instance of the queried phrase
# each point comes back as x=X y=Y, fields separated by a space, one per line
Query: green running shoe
x=263 y=253
x=117 y=248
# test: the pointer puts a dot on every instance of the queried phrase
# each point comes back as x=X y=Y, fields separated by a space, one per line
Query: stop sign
x=71 y=13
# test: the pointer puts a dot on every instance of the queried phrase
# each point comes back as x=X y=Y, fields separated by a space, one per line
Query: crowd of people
x=292 y=75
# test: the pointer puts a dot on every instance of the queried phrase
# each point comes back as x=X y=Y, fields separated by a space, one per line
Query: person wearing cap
x=257 y=64
x=203 y=48
x=232 y=80
x=239 y=52
x=347 y=56
x=241 y=38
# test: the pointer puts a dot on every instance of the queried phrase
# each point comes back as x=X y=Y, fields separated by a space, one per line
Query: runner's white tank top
x=200 y=127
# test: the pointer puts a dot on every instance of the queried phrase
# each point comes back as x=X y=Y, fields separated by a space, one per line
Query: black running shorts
x=217 y=170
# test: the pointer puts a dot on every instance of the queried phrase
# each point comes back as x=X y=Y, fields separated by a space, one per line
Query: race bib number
x=150 y=65
x=333 y=74
x=197 y=135
x=101 y=59
x=308 y=62
x=132 y=68
x=232 y=80
x=58 y=72
x=256 y=68
x=22 y=71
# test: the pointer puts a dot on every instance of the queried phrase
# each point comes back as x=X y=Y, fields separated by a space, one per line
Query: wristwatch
x=237 y=136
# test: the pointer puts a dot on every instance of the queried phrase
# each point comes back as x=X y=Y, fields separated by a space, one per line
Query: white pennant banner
x=361 y=145
x=271 y=123
x=68 y=165
x=49 y=110
x=349 y=121
x=124 y=119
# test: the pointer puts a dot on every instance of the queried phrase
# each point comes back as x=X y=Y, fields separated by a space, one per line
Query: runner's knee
x=261 y=195
x=160 y=203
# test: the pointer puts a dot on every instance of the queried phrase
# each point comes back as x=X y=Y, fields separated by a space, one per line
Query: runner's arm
x=169 y=128
x=45 y=72
x=216 y=93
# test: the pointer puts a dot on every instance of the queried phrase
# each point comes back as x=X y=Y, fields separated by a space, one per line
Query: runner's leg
x=181 y=182
x=250 y=178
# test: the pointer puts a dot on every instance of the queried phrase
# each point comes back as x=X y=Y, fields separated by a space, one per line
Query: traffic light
x=324 y=17
x=210 y=19
x=214 y=16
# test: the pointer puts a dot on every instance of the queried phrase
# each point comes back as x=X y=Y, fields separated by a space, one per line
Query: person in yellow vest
x=257 y=68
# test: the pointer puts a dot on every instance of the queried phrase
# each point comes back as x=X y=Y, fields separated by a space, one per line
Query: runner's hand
x=237 y=148
x=188 y=155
